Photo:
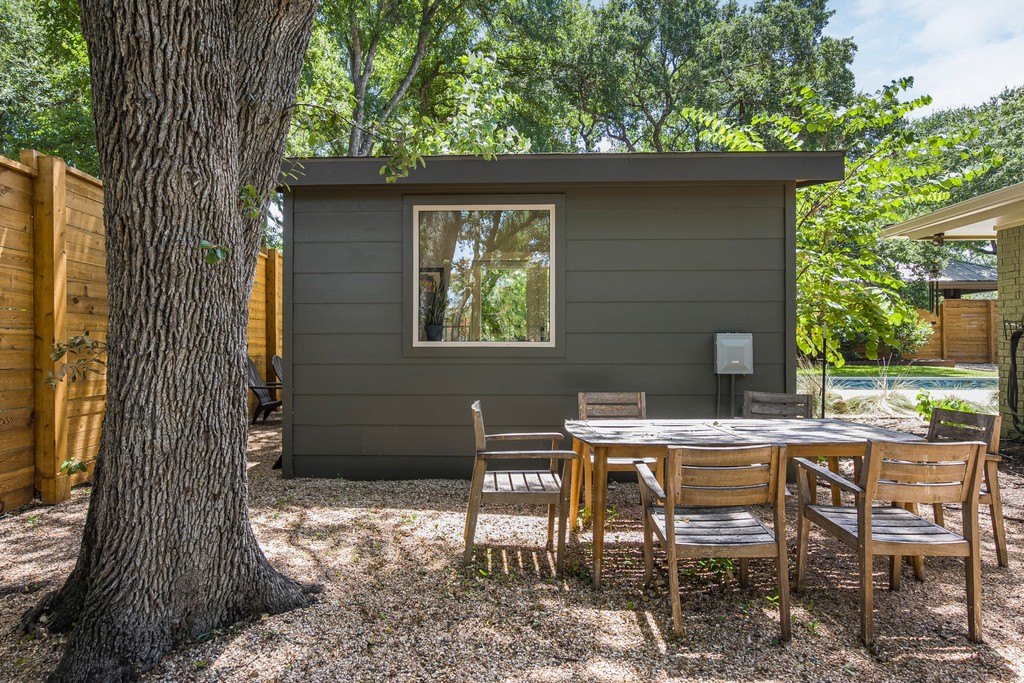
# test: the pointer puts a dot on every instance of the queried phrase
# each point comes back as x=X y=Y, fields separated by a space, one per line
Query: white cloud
x=959 y=52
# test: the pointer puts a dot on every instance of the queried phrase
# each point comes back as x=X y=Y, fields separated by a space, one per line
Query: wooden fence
x=53 y=285
x=965 y=331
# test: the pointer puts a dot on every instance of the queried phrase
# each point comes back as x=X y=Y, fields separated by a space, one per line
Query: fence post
x=51 y=322
x=273 y=322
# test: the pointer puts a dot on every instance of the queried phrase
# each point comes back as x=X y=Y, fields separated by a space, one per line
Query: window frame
x=414 y=205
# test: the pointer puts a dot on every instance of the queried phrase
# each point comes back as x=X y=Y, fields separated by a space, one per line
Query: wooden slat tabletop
x=705 y=432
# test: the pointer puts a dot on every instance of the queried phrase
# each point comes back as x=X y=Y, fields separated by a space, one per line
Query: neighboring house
x=521 y=281
x=997 y=215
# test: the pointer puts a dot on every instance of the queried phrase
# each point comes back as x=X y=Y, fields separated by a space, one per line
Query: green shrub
x=926 y=404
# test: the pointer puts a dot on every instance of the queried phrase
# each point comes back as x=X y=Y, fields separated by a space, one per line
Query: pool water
x=947 y=383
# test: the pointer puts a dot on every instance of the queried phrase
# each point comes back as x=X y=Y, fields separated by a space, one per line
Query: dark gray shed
x=548 y=275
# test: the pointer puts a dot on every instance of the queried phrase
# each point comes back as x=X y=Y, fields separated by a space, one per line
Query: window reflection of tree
x=492 y=253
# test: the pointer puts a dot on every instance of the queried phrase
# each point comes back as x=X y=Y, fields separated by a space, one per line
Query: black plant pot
x=435 y=332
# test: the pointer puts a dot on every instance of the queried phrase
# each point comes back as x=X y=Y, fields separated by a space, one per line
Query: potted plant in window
x=433 y=319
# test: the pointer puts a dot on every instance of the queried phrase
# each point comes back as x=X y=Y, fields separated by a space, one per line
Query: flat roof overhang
x=979 y=218
x=805 y=168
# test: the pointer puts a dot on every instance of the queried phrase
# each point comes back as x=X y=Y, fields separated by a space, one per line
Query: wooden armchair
x=262 y=392
x=906 y=473
x=518 y=486
x=621 y=405
x=701 y=513
x=769 y=405
x=766 y=405
x=955 y=425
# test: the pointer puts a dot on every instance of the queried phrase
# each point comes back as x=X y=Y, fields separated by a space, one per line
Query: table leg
x=577 y=481
x=600 y=495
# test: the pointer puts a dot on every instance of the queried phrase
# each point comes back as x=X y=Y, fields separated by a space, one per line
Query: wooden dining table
x=804 y=438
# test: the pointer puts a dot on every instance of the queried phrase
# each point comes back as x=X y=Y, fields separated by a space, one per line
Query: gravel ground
x=397 y=605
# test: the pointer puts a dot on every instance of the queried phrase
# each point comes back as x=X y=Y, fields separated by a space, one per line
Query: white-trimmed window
x=485 y=275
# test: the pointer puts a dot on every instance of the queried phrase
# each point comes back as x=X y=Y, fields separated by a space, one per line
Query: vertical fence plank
x=51 y=323
x=17 y=453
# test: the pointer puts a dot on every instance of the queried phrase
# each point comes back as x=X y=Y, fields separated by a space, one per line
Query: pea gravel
x=398 y=606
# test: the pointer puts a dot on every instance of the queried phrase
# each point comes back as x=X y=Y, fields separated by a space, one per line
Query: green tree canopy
x=45 y=96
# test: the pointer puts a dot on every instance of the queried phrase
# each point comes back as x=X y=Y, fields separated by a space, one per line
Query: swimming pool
x=946 y=383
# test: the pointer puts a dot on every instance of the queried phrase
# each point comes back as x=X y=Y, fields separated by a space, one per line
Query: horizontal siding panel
x=319 y=200
x=344 y=288
x=453 y=410
x=15 y=398
x=512 y=380
x=371 y=440
x=596 y=348
x=359 y=467
x=683 y=198
x=662 y=285
x=679 y=255
x=430 y=410
x=347 y=318
x=687 y=317
x=350 y=226
x=719 y=222
x=346 y=348
x=662 y=348
x=356 y=257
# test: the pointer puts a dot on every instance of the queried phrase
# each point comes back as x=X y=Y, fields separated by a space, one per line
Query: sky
x=961 y=52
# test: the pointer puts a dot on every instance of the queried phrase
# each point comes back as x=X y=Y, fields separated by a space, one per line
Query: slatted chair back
x=957 y=425
x=257 y=384
x=723 y=477
x=601 y=405
x=769 y=405
x=923 y=472
x=278 y=364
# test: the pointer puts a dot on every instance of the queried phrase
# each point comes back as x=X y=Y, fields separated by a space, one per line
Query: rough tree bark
x=191 y=101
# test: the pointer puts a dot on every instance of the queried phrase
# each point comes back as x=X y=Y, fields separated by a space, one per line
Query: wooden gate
x=965 y=331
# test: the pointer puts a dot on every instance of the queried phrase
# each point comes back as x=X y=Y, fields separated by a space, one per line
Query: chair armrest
x=523 y=455
x=829 y=476
x=526 y=436
x=993 y=457
x=650 y=489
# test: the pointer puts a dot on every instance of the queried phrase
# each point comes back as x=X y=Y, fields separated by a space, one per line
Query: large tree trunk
x=191 y=101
